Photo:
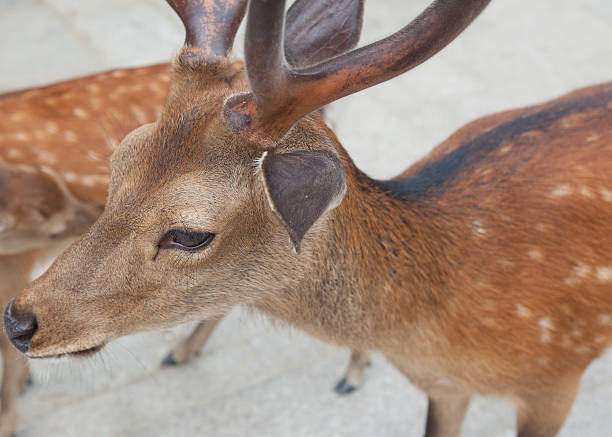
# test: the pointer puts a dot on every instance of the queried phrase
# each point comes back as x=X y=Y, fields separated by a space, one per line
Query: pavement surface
x=254 y=378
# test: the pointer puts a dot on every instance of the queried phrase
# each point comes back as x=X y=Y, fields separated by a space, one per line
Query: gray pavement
x=254 y=378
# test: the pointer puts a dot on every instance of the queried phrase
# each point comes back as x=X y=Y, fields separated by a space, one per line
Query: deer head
x=230 y=197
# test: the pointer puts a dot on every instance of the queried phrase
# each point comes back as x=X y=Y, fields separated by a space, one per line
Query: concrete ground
x=255 y=379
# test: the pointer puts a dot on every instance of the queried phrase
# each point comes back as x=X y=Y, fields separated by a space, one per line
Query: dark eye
x=185 y=240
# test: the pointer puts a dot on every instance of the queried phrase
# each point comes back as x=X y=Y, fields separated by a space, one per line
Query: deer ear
x=301 y=187
x=31 y=196
x=317 y=30
x=26 y=196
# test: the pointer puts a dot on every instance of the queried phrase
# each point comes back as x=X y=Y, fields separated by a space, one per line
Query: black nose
x=20 y=327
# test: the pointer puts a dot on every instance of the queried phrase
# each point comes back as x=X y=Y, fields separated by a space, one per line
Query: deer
x=483 y=269
x=55 y=145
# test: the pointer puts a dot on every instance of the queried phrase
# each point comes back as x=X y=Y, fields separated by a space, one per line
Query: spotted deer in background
x=485 y=268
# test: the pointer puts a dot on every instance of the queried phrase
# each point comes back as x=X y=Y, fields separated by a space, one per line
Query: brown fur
x=485 y=271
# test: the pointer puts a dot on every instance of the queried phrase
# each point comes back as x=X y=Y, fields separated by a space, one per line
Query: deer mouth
x=86 y=352
x=83 y=353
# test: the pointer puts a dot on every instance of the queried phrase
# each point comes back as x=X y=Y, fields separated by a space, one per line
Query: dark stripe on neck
x=448 y=167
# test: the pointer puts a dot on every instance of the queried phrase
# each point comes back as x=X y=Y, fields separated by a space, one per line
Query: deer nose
x=20 y=327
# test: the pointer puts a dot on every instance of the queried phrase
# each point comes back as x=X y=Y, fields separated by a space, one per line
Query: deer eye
x=185 y=240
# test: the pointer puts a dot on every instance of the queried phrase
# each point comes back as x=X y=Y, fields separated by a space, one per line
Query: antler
x=210 y=25
x=281 y=95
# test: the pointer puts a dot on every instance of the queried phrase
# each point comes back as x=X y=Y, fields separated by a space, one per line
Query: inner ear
x=301 y=187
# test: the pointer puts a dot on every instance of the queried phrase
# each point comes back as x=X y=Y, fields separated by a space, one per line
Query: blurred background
x=254 y=378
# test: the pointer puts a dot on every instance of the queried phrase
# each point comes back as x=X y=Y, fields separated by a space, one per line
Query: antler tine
x=264 y=51
x=210 y=25
x=282 y=95
x=362 y=68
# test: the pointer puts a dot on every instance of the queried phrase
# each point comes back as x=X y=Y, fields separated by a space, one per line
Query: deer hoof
x=344 y=387
x=170 y=360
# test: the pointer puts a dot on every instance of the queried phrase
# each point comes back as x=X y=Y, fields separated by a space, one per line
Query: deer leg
x=447 y=401
x=543 y=415
x=353 y=377
x=15 y=372
x=14 y=275
x=192 y=345
x=445 y=413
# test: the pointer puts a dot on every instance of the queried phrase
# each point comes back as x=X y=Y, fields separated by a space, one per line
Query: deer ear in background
x=27 y=194
x=301 y=187
x=35 y=206
x=319 y=30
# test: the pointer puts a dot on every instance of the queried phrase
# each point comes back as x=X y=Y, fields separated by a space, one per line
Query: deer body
x=486 y=263
x=483 y=269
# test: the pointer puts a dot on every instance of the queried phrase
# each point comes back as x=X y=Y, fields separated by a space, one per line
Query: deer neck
x=374 y=270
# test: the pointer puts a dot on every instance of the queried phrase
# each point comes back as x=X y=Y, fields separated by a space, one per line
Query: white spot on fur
x=522 y=311
x=138 y=113
x=593 y=137
x=81 y=113
x=582 y=270
x=605 y=194
x=157 y=88
x=478 y=229
x=531 y=134
x=535 y=254
x=70 y=176
x=95 y=157
x=70 y=136
x=14 y=153
x=489 y=321
x=586 y=192
x=605 y=319
x=17 y=116
x=118 y=73
x=546 y=326
x=44 y=157
x=51 y=127
x=561 y=191
x=94 y=179
x=93 y=88
x=21 y=136
x=572 y=281
x=505 y=149
x=604 y=274
x=600 y=340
